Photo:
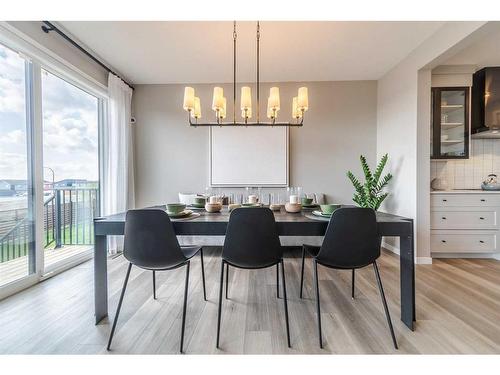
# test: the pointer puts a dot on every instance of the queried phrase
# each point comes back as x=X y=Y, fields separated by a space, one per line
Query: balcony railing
x=68 y=220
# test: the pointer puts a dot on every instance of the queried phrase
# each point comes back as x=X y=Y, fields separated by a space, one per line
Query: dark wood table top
x=291 y=224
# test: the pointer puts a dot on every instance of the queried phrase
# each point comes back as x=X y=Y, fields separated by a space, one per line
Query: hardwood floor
x=458 y=310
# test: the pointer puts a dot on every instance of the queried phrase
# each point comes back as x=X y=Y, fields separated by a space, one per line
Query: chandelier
x=192 y=103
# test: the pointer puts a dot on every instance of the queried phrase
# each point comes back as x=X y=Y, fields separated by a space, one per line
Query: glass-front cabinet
x=450 y=123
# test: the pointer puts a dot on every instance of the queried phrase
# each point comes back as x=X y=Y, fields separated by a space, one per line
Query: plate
x=196 y=207
x=251 y=205
x=319 y=213
x=180 y=214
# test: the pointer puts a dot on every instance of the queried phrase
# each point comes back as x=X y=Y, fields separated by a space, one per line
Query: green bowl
x=175 y=208
x=307 y=201
x=329 y=208
x=200 y=200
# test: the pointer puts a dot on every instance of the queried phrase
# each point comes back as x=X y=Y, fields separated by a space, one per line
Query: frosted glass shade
x=188 y=104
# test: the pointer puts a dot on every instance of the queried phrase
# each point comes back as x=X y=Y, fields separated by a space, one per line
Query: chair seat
x=312 y=250
x=190 y=251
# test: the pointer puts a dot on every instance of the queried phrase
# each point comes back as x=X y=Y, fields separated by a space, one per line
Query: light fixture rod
x=258 y=80
x=234 y=72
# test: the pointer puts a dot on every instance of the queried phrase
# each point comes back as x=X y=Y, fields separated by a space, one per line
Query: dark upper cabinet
x=485 y=117
x=450 y=123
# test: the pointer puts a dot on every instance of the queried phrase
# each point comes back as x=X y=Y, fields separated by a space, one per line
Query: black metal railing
x=68 y=220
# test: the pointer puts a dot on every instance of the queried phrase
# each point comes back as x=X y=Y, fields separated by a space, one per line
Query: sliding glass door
x=50 y=120
x=71 y=170
x=17 y=231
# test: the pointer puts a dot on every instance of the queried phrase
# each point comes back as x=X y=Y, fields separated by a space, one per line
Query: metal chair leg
x=302 y=270
x=318 y=310
x=285 y=301
x=119 y=306
x=352 y=286
x=220 y=302
x=154 y=285
x=185 y=306
x=203 y=275
x=227 y=279
x=384 y=302
x=278 y=280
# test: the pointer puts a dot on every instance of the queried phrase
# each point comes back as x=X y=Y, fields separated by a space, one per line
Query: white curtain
x=118 y=153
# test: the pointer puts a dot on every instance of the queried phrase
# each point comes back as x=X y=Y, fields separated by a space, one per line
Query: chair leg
x=285 y=301
x=352 y=286
x=184 y=307
x=220 y=302
x=278 y=280
x=154 y=285
x=302 y=271
x=119 y=306
x=203 y=275
x=227 y=279
x=384 y=302
x=318 y=310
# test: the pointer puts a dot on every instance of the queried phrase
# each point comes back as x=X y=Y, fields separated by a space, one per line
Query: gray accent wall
x=172 y=157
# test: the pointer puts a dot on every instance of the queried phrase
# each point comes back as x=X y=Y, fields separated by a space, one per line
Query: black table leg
x=100 y=278
x=407 y=276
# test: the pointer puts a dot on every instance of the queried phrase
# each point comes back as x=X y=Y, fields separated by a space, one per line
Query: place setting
x=178 y=211
x=325 y=212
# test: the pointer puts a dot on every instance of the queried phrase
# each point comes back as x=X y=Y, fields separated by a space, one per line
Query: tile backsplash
x=469 y=173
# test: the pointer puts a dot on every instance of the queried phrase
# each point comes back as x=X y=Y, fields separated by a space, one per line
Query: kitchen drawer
x=465 y=200
x=451 y=242
x=473 y=219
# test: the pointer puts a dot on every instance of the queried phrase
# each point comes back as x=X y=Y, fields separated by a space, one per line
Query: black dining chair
x=351 y=242
x=252 y=242
x=150 y=243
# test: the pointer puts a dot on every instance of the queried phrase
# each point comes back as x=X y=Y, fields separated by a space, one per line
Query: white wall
x=397 y=127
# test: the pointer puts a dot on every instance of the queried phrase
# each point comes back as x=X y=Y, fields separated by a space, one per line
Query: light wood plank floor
x=458 y=311
x=17 y=268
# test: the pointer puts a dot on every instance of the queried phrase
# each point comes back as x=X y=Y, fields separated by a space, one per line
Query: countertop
x=471 y=191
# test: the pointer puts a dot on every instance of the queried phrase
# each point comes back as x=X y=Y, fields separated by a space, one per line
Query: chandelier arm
x=234 y=72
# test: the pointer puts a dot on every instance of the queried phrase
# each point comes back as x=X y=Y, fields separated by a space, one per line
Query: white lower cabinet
x=452 y=242
x=463 y=223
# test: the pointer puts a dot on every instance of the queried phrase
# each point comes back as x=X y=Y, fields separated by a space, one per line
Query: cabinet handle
x=445 y=200
x=483 y=200
x=481 y=241
x=443 y=218
x=443 y=241
x=482 y=218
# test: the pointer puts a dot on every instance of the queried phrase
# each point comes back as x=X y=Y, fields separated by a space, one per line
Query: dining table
x=288 y=224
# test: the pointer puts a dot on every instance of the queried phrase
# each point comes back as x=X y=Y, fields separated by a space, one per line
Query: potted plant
x=370 y=193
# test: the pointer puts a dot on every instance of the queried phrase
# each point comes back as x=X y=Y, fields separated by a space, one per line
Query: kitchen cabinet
x=464 y=223
x=450 y=123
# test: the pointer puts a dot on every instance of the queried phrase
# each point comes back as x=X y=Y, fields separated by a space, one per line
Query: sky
x=70 y=132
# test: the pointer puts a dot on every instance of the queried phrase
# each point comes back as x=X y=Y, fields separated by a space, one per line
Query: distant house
x=9 y=188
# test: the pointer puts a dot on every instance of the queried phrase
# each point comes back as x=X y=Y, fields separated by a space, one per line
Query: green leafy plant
x=369 y=194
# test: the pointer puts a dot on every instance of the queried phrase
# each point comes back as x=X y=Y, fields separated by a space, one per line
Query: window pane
x=71 y=168
x=16 y=223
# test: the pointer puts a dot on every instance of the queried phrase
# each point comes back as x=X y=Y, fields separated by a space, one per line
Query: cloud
x=70 y=124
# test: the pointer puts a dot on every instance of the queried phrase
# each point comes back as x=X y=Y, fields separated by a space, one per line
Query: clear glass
x=452 y=123
x=294 y=194
x=17 y=246
x=71 y=168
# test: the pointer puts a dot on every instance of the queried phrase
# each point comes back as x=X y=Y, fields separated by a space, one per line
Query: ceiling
x=201 y=52
x=485 y=52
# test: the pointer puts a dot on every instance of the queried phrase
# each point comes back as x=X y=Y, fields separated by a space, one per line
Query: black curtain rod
x=48 y=27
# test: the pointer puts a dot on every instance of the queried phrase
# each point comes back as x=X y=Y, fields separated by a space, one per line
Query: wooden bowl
x=213 y=207
x=293 y=207
x=275 y=207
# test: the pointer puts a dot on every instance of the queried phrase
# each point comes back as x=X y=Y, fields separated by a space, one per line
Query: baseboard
x=391 y=248
x=466 y=255
x=424 y=260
